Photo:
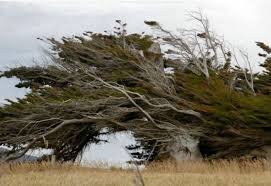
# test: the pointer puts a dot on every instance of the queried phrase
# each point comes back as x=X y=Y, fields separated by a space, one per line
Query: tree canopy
x=103 y=83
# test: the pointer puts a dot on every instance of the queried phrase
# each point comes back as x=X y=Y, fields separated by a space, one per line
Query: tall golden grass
x=216 y=173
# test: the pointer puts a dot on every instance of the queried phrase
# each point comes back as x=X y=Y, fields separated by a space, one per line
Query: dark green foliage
x=151 y=23
x=232 y=122
x=264 y=79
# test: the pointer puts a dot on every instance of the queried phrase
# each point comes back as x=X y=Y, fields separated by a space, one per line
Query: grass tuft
x=215 y=173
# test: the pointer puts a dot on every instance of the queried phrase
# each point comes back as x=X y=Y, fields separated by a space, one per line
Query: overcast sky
x=242 y=22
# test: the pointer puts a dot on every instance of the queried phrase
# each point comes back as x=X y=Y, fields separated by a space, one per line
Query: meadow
x=216 y=173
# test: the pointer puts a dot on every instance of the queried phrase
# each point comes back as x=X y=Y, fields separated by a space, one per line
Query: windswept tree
x=106 y=83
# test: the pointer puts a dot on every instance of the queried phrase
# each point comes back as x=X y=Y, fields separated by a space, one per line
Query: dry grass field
x=220 y=173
